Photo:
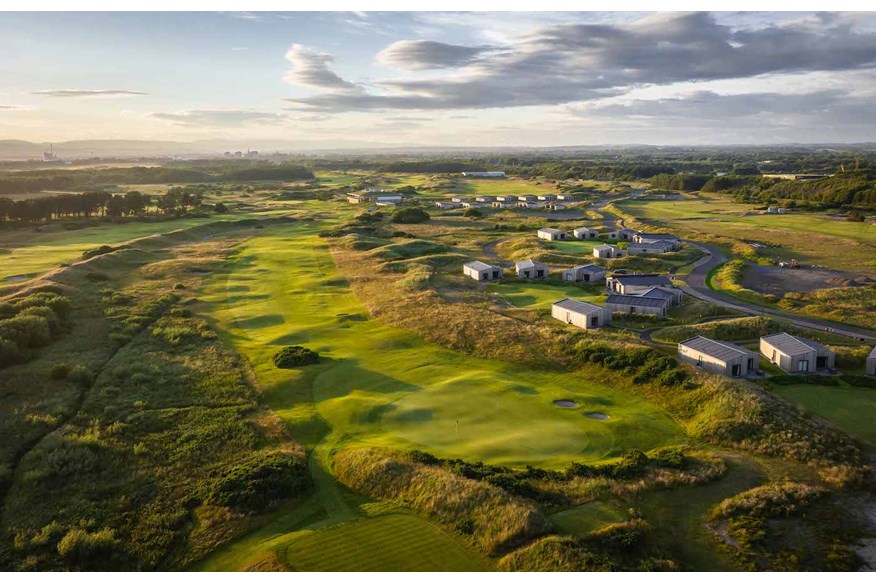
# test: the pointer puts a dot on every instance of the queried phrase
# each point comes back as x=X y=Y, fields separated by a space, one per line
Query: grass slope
x=849 y=407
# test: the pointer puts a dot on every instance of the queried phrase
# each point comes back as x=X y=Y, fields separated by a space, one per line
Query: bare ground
x=780 y=281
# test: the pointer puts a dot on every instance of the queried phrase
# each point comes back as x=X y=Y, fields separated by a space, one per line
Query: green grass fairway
x=577 y=247
x=851 y=408
x=383 y=386
x=529 y=294
x=388 y=543
x=583 y=519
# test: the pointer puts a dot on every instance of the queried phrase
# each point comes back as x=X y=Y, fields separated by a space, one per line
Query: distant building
x=388 y=200
x=507 y=198
x=581 y=314
x=359 y=198
x=547 y=197
x=459 y=199
x=565 y=197
x=871 y=363
x=718 y=356
x=639 y=284
x=482 y=272
x=526 y=198
x=645 y=248
x=555 y=206
x=588 y=273
x=641 y=237
x=529 y=204
x=636 y=305
x=484 y=174
x=447 y=205
x=485 y=199
x=606 y=251
x=531 y=270
x=551 y=234
x=585 y=233
x=796 y=354
x=469 y=204
x=504 y=204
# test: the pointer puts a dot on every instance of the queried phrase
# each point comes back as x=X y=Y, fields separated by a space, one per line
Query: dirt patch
x=17 y=278
x=565 y=403
x=598 y=416
x=780 y=281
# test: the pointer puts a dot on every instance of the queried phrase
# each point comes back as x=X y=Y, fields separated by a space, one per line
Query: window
x=594 y=321
x=736 y=370
x=803 y=366
x=632 y=310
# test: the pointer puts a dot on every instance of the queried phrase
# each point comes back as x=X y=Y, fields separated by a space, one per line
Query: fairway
x=851 y=408
x=387 y=387
x=388 y=543
x=529 y=294
x=583 y=519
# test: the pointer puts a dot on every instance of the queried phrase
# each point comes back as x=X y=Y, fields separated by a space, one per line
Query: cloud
x=311 y=69
x=414 y=55
x=226 y=118
x=567 y=63
x=88 y=93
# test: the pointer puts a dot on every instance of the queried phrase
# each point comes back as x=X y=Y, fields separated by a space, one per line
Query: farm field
x=852 y=408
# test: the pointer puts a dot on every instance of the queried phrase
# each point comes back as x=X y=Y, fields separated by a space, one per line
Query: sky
x=440 y=78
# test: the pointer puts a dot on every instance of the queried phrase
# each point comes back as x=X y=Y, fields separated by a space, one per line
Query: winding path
x=696 y=286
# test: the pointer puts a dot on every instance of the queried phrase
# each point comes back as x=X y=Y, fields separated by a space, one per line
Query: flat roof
x=625 y=300
x=477 y=265
x=717 y=349
x=791 y=345
x=578 y=306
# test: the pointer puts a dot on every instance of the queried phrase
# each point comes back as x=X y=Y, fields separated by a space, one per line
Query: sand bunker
x=565 y=403
x=597 y=416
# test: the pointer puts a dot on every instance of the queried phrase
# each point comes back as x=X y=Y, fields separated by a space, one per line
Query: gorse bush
x=295 y=356
x=643 y=365
x=410 y=215
x=261 y=482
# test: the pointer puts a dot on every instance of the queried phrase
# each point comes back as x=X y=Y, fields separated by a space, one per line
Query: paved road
x=697 y=287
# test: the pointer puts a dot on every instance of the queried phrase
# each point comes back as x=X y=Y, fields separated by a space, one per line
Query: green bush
x=10 y=353
x=46 y=313
x=53 y=300
x=410 y=215
x=295 y=356
x=27 y=331
x=473 y=212
x=80 y=375
x=260 y=482
x=90 y=551
x=59 y=372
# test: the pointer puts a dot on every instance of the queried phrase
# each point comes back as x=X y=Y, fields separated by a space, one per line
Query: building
x=566 y=197
x=482 y=272
x=531 y=269
x=459 y=199
x=771 y=210
x=645 y=248
x=555 y=206
x=388 y=200
x=639 y=284
x=581 y=314
x=718 y=357
x=529 y=204
x=547 y=198
x=796 y=354
x=588 y=273
x=484 y=174
x=503 y=204
x=358 y=198
x=637 y=305
x=469 y=204
x=621 y=234
x=551 y=234
x=641 y=237
x=606 y=251
x=585 y=233
x=485 y=199
x=526 y=198
x=871 y=363
x=447 y=205
x=507 y=198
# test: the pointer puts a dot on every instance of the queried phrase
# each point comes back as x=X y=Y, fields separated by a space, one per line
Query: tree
x=410 y=215
x=473 y=212
x=220 y=208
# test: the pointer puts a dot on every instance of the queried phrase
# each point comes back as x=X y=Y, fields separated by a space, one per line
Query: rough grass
x=498 y=519
x=737 y=329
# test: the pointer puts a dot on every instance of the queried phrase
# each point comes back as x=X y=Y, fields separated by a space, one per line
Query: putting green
x=388 y=543
x=384 y=386
x=529 y=294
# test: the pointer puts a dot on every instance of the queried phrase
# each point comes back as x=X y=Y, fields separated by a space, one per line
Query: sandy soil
x=780 y=281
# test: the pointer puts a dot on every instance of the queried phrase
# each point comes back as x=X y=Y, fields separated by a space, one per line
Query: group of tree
x=855 y=188
x=177 y=201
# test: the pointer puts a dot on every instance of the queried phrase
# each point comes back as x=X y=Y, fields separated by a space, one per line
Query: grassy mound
x=405 y=250
x=494 y=518
x=295 y=356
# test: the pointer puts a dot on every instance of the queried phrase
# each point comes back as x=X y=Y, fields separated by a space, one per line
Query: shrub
x=89 y=551
x=473 y=212
x=104 y=249
x=59 y=304
x=295 y=356
x=96 y=277
x=27 y=331
x=410 y=215
x=46 y=313
x=260 y=482
x=80 y=375
x=220 y=208
x=10 y=354
x=59 y=372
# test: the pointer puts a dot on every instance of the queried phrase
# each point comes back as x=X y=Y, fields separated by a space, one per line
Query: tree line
x=177 y=201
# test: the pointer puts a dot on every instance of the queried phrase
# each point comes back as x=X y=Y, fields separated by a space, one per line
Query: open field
x=528 y=294
x=810 y=238
x=852 y=408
